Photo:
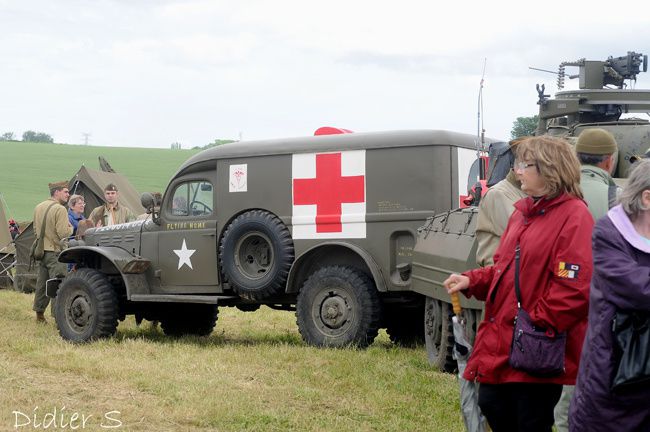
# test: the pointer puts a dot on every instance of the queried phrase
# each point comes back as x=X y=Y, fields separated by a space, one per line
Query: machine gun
x=599 y=74
x=600 y=101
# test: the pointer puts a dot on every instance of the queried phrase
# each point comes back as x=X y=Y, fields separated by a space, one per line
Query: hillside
x=27 y=168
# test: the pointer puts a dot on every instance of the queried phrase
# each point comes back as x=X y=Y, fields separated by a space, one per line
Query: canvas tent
x=90 y=184
x=5 y=235
x=6 y=248
x=24 y=276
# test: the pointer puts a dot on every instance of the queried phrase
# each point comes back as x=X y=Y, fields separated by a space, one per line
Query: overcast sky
x=144 y=73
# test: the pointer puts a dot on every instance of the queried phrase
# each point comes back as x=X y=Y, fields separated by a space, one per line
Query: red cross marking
x=328 y=191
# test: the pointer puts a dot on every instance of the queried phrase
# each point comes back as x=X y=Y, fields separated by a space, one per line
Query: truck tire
x=256 y=253
x=338 y=306
x=439 y=335
x=189 y=319
x=405 y=325
x=86 y=307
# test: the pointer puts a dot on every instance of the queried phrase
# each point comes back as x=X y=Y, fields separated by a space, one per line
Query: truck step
x=180 y=298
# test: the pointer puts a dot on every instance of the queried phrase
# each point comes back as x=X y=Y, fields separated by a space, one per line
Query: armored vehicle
x=322 y=225
x=604 y=99
x=447 y=242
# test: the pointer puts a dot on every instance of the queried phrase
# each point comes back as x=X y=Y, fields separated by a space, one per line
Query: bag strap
x=41 y=238
x=517 y=290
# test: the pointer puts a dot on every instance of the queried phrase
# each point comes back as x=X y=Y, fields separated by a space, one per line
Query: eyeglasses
x=523 y=165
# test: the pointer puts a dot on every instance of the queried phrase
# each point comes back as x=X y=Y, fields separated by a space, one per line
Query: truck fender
x=296 y=272
x=131 y=267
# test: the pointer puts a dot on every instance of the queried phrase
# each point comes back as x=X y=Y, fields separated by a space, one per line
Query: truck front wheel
x=86 y=307
x=338 y=306
x=439 y=334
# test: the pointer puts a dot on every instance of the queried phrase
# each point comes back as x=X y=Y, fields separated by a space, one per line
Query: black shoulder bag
x=536 y=351
x=632 y=345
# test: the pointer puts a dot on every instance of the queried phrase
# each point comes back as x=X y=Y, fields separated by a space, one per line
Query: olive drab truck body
x=323 y=225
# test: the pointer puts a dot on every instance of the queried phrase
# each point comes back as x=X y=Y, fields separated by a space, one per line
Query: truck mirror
x=147 y=202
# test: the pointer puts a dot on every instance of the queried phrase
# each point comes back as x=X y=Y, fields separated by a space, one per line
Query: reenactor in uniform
x=111 y=213
x=57 y=228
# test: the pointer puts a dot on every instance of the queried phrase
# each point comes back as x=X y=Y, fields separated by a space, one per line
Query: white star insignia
x=184 y=255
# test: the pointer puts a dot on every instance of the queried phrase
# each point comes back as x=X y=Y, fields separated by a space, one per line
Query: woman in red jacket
x=552 y=227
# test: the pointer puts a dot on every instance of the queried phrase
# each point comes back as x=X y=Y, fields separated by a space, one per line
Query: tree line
x=28 y=136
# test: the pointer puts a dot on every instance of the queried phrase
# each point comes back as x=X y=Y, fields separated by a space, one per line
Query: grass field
x=27 y=168
x=253 y=373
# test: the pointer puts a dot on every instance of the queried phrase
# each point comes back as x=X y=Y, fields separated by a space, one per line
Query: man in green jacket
x=57 y=228
x=596 y=150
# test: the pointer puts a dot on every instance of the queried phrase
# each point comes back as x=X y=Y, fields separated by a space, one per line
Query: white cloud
x=149 y=73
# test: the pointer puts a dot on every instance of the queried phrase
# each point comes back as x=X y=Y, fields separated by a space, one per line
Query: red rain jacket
x=555 y=272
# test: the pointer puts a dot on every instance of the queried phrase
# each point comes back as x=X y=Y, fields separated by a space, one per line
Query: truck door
x=188 y=239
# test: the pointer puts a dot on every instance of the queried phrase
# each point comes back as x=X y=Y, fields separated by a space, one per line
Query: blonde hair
x=556 y=162
x=72 y=201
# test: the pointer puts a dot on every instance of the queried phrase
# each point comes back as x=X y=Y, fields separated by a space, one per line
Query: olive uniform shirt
x=119 y=214
x=494 y=211
x=57 y=225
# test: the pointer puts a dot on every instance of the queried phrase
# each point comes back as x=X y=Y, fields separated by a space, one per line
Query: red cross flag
x=329 y=195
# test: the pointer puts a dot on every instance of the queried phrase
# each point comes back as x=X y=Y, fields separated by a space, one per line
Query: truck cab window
x=192 y=199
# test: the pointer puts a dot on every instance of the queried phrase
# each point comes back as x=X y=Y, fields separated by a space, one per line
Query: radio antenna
x=480 y=130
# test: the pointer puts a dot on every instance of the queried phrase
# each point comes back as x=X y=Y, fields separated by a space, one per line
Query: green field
x=27 y=168
x=252 y=373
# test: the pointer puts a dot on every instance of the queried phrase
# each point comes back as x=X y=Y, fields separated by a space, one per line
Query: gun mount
x=601 y=99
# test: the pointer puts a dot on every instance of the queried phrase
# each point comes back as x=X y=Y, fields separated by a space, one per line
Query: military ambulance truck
x=322 y=225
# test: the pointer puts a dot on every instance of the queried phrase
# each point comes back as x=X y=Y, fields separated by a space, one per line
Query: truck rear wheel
x=338 y=306
x=86 y=307
x=189 y=319
x=256 y=253
x=439 y=335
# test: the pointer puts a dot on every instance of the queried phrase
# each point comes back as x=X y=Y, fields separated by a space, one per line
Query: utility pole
x=86 y=136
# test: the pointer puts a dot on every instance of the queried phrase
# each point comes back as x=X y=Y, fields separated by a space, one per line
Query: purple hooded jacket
x=621 y=280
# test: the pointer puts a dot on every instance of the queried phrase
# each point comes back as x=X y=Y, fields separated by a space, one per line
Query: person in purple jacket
x=621 y=281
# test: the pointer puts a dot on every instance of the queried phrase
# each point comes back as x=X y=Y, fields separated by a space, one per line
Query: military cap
x=596 y=141
x=110 y=187
x=57 y=186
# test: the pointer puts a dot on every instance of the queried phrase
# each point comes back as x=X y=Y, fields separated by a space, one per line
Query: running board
x=179 y=298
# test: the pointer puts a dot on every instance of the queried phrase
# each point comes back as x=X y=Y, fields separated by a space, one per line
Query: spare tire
x=256 y=253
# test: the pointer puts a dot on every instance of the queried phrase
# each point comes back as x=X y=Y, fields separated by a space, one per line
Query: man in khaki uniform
x=111 y=213
x=494 y=210
x=57 y=228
